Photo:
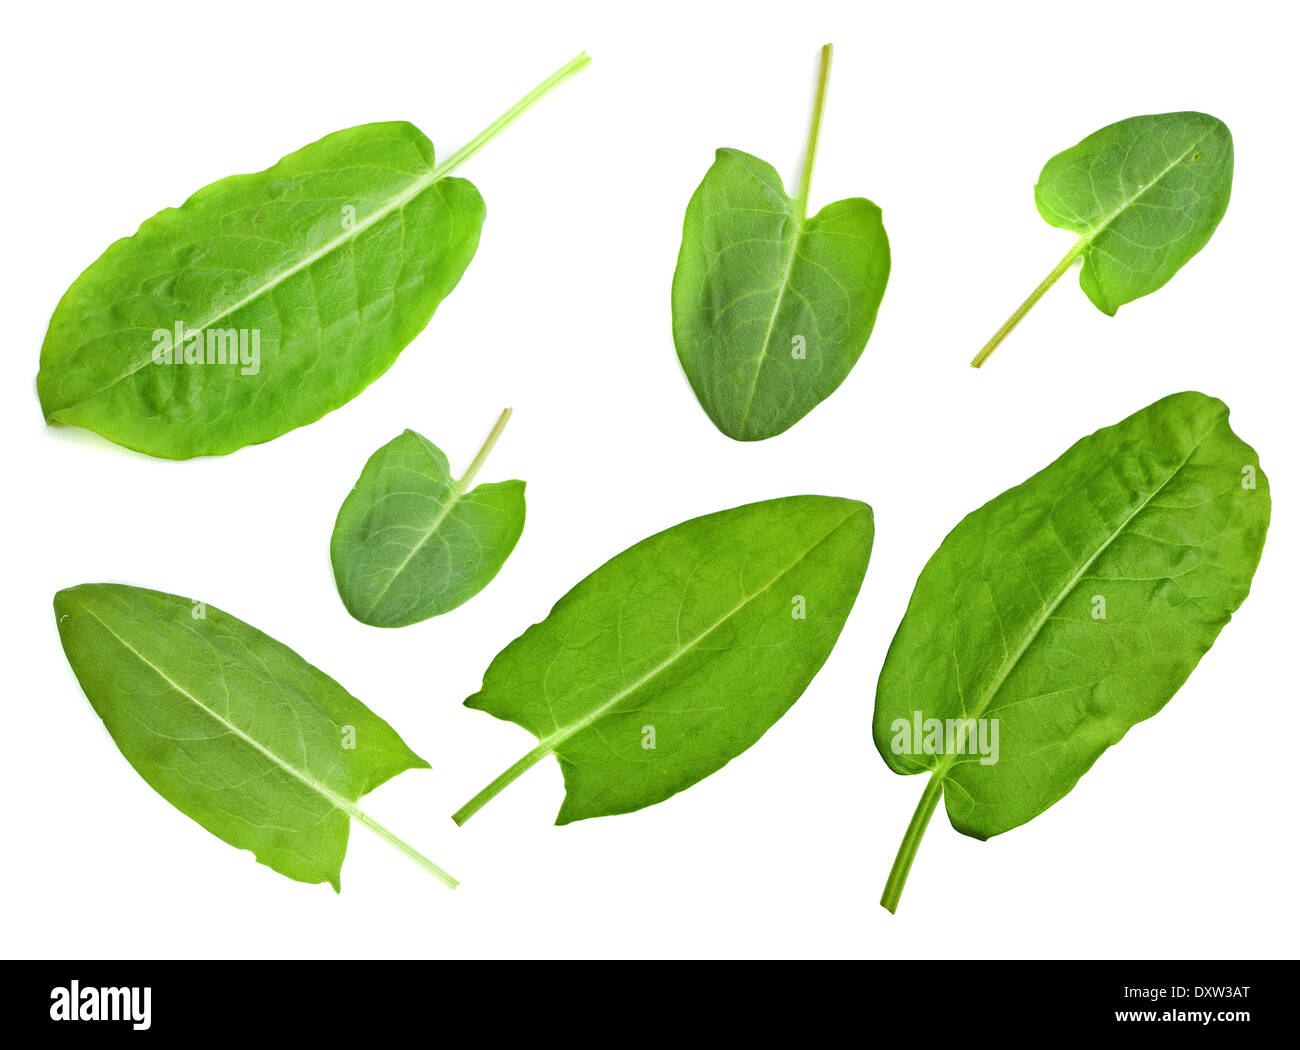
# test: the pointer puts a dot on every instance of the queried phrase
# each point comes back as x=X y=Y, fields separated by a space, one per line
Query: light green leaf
x=1067 y=610
x=231 y=727
x=266 y=300
x=411 y=542
x=1144 y=195
x=771 y=309
x=675 y=656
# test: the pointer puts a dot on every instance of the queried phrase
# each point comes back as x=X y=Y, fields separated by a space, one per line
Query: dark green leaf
x=771 y=309
x=1067 y=610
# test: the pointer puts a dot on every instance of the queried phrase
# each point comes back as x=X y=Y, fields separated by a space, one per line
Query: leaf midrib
x=550 y=742
x=330 y=796
x=455 y=493
x=1094 y=232
x=800 y=218
x=1010 y=664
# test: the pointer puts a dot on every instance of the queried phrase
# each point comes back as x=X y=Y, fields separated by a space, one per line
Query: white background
x=1181 y=840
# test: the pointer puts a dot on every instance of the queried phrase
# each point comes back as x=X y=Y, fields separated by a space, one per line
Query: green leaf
x=771 y=309
x=411 y=542
x=675 y=656
x=1067 y=610
x=266 y=300
x=231 y=727
x=1144 y=195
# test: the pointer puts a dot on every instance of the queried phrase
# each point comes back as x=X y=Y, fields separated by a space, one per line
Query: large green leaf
x=675 y=656
x=412 y=542
x=1067 y=610
x=265 y=300
x=231 y=727
x=771 y=309
x=1144 y=195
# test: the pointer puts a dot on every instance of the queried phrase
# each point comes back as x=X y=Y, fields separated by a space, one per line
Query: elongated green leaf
x=326 y=265
x=411 y=542
x=266 y=300
x=1067 y=610
x=1144 y=195
x=675 y=656
x=231 y=727
x=771 y=309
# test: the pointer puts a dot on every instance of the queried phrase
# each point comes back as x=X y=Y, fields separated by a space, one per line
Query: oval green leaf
x=411 y=542
x=231 y=727
x=266 y=300
x=1065 y=611
x=1144 y=195
x=678 y=654
x=772 y=309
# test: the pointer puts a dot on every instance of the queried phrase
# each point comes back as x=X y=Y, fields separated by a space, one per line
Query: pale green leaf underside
x=1144 y=194
x=410 y=543
x=688 y=639
x=756 y=283
x=1149 y=516
x=231 y=727
x=336 y=257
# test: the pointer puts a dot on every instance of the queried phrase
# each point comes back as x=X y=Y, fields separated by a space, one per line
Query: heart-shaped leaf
x=771 y=309
x=412 y=542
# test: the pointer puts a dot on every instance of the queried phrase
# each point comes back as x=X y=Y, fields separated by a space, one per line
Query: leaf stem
x=911 y=841
x=485 y=450
x=507 y=118
x=402 y=846
x=505 y=779
x=814 y=132
x=1028 y=304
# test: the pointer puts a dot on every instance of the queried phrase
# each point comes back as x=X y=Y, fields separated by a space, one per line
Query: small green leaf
x=231 y=727
x=1144 y=195
x=675 y=656
x=266 y=300
x=411 y=542
x=771 y=309
x=1065 y=611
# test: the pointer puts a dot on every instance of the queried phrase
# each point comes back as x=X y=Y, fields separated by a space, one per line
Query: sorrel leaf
x=231 y=727
x=1144 y=195
x=1065 y=611
x=266 y=300
x=675 y=656
x=771 y=309
x=411 y=542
